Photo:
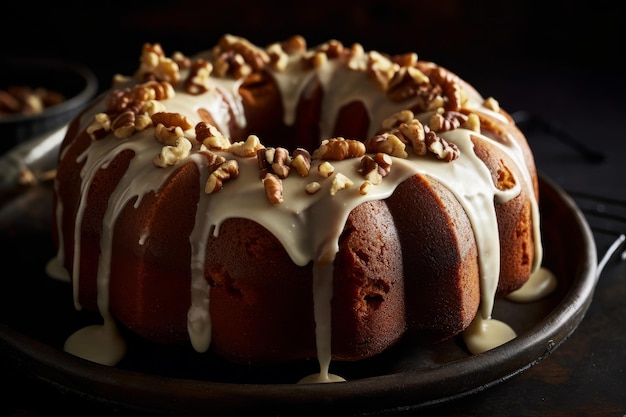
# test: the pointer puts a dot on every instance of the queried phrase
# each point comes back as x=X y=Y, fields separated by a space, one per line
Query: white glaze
x=541 y=283
x=307 y=226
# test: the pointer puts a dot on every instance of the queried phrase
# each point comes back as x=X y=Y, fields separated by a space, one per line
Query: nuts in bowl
x=38 y=96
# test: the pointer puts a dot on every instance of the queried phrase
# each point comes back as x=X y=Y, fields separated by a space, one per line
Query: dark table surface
x=577 y=135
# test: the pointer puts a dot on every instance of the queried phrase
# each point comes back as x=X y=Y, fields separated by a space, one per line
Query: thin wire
x=609 y=254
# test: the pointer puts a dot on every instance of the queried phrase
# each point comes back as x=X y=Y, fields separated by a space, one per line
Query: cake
x=270 y=204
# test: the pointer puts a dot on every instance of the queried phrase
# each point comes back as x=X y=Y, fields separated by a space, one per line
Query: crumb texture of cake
x=289 y=202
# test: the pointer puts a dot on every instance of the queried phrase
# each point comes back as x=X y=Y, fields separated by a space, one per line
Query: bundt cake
x=276 y=203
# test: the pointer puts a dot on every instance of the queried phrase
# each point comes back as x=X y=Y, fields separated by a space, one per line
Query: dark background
x=478 y=39
x=561 y=60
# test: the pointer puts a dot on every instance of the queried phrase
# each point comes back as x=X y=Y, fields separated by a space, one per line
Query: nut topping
x=211 y=137
x=340 y=182
x=274 y=161
x=170 y=155
x=273 y=188
x=339 y=148
x=221 y=174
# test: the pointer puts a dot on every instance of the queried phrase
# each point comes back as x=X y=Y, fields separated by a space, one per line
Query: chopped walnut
x=142 y=122
x=472 y=123
x=238 y=57
x=387 y=143
x=375 y=169
x=154 y=65
x=325 y=169
x=450 y=86
x=294 y=44
x=162 y=90
x=170 y=155
x=441 y=148
x=405 y=60
x=278 y=57
x=151 y=107
x=381 y=69
x=198 y=80
x=213 y=160
x=448 y=120
x=301 y=161
x=396 y=119
x=368 y=168
x=167 y=135
x=247 y=148
x=274 y=161
x=332 y=48
x=181 y=59
x=314 y=59
x=135 y=98
x=355 y=58
x=168 y=119
x=414 y=132
x=312 y=187
x=340 y=182
x=492 y=104
x=221 y=174
x=118 y=101
x=211 y=137
x=273 y=188
x=339 y=148
x=123 y=126
x=100 y=126
x=384 y=162
x=406 y=83
x=365 y=187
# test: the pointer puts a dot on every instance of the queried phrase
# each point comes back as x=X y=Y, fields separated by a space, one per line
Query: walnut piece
x=301 y=162
x=154 y=65
x=441 y=148
x=168 y=119
x=340 y=182
x=124 y=125
x=376 y=168
x=447 y=120
x=312 y=187
x=387 y=143
x=211 y=137
x=273 y=188
x=167 y=135
x=274 y=161
x=325 y=169
x=221 y=174
x=339 y=148
x=171 y=155
x=238 y=57
x=381 y=69
x=100 y=126
x=247 y=148
x=198 y=79
x=406 y=83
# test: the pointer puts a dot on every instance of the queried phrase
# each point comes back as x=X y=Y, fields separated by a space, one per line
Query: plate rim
x=385 y=393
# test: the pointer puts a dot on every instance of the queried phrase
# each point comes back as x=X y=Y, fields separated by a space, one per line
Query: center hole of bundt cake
x=266 y=117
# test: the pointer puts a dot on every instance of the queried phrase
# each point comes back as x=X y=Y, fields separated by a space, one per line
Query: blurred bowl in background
x=76 y=83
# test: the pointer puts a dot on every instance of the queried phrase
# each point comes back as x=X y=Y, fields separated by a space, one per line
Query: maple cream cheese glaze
x=306 y=212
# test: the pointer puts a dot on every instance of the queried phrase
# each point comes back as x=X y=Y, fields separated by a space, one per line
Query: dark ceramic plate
x=37 y=315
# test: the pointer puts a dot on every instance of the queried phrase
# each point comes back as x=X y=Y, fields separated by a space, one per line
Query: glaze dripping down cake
x=277 y=203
